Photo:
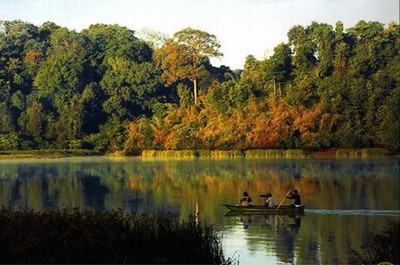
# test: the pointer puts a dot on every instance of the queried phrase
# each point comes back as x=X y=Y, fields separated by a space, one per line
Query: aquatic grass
x=294 y=153
x=361 y=153
x=222 y=153
x=238 y=153
x=190 y=153
x=271 y=153
x=204 y=153
x=373 y=152
x=149 y=153
x=84 y=236
x=276 y=153
x=193 y=153
x=255 y=153
x=348 y=153
x=169 y=153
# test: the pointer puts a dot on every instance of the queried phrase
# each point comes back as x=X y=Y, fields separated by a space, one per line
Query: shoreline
x=45 y=154
x=331 y=153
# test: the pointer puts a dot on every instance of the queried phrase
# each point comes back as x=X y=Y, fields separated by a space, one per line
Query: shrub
x=383 y=247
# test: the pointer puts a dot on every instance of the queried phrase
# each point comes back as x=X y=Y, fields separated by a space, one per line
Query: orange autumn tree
x=259 y=136
x=280 y=123
x=316 y=124
x=133 y=144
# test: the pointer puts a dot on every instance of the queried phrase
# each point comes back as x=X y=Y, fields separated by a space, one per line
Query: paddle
x=283 y=199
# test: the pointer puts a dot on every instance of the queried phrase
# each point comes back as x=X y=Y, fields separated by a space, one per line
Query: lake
x=347 y=201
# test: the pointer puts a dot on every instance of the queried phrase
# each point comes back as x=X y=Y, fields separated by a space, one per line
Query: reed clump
x=294 y=153
x=193 y=153
x=276 y=153
x=86 y=236
x=361 y=153
x=348 y=153
x=149 y=153
x=272 y=153
x=170 y=153
x=204 y=153
x=373 y=152
x=255 y=153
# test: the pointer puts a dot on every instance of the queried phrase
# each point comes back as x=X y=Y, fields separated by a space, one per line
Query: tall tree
x=181 y=57
x=278 y=68
x=304 y=49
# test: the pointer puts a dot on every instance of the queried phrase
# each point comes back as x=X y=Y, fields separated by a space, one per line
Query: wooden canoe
x=261 y=209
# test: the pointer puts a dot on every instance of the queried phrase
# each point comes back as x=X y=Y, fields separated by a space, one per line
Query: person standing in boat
x=245 y=200
x=294 y=195
x=270 y=201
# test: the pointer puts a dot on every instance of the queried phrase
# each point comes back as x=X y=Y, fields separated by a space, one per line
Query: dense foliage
x=105 y=89
x=74 y=236
x=382 y=248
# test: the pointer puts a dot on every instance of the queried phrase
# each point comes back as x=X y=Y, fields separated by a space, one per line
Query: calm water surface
x=347 y=201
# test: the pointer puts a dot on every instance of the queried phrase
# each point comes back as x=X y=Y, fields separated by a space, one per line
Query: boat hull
x=261 y=209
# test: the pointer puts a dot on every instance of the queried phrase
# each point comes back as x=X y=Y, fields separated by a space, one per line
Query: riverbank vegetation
x=382 y=248
x=39 y=154
x=270 y=153
x=107 y=90
x=84 y=236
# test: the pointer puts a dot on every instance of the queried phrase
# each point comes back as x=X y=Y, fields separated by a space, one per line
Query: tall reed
x=85 y=236
x=272 y=153
x=348 y=153
x=373 y=152
x=255 y=153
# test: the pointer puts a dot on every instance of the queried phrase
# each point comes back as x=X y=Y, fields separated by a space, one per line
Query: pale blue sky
x=243 y=27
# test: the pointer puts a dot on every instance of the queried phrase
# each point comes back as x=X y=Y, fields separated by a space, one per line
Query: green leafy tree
x=62 y=74
x=131 y=88
x=16 y=37
x=252 y=81
x=323 y=37
x=182 y=56
x=304 y=49
x=278 y=68
x=389 y=117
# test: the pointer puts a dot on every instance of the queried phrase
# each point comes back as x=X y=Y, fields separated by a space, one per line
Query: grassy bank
x=74 y=236
x=44 y=154
x=339 y=153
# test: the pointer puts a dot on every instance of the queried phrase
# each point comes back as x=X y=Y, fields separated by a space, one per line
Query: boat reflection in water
x=261 y=209
x=291 y=223
x=260 y=232
x=246 y=220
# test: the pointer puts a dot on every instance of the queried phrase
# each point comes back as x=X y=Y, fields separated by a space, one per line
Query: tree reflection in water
x=200 y=186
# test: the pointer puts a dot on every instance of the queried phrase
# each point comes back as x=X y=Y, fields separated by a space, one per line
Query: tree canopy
x=106 y=89
x=182 y=56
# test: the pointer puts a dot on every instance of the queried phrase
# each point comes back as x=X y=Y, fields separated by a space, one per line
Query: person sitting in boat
x=245 y=200
x=269 y=201
x=294 y=195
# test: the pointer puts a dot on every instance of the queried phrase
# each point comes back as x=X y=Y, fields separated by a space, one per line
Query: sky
x=243 y=27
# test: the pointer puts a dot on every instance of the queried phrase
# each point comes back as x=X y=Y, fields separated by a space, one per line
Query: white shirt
x=270 y=202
